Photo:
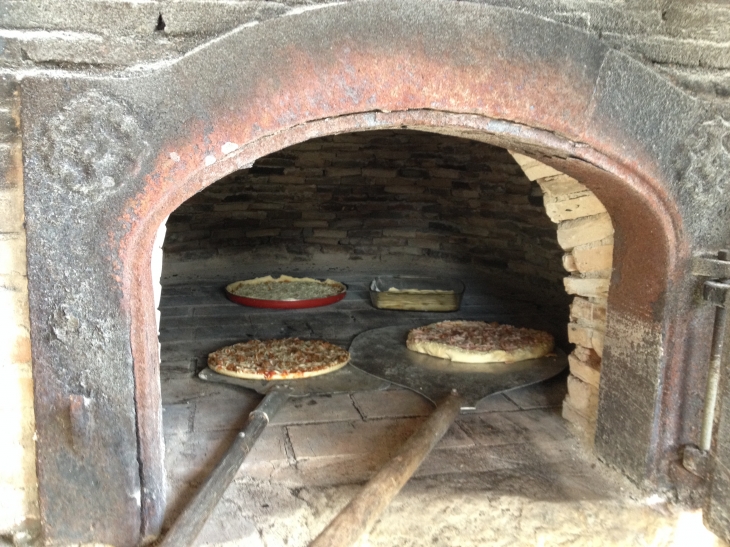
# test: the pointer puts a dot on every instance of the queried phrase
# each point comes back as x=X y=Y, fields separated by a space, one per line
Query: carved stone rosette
x=93 y=145
x=704 y=174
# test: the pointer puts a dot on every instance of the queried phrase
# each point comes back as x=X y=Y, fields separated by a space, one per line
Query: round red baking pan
x=286 y=304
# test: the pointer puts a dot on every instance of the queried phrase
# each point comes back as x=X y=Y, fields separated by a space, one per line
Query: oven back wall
x=382 y=199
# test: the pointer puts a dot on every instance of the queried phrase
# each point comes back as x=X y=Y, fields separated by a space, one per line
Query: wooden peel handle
x=364 y=509
x=188 y=525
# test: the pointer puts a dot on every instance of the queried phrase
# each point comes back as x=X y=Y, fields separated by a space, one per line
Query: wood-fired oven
x=109 y=158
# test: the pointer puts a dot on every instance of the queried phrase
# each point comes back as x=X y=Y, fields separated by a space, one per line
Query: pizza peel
x=382 y=353
x=348 y=379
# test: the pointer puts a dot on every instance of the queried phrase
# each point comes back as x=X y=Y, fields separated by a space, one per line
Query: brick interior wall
x=585 y=233
x=376 y=195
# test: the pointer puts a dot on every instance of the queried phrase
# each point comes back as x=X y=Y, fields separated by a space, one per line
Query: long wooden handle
x=365 y=508
x=188 y=525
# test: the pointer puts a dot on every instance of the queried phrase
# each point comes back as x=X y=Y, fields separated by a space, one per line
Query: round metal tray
x=285 y=304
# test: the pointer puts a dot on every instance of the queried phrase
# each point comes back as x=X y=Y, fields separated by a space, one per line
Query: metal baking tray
x=416 y=293
x=290 y=303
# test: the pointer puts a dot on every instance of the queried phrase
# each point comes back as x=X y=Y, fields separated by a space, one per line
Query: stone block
x=577 y=334
x=571 y=209
x=561 y=187
x=590 y=287
x=584 y=425
x=333 y=234
x=11 y=171
x=592 y=259
x=310 y=410
x=310 y=223
x=588 y=313
x=270 y=232
x=12 y=255
x=11 y=209
x=405 y=189
x=532 y=168
x=583 y=396
x=569 y=263
x=572 y=233
x=585 y=364
x=597 y=338
x=391 y=404
x=8 y=125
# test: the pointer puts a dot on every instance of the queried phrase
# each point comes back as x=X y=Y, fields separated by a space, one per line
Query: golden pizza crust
x=536 y=344
x=283 y=359
x=238 y=288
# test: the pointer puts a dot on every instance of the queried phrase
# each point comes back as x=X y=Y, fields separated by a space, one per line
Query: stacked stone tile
x=585 y=233
x=18 y=497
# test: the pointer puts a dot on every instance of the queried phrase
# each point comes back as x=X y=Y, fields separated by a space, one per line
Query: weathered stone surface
x=585 y=364
x=573 y=208
x=534 y=169
x=588 y=313
x=582 y=396
x=593 y=259
x=572 y=233
x=590 y=287
x=561 y=186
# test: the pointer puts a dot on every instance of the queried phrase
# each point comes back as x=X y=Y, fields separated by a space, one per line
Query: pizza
x=285 y=288
x=479 y=342
x=282 y=359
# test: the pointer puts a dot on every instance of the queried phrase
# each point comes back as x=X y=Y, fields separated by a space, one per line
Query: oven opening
x=533 y=248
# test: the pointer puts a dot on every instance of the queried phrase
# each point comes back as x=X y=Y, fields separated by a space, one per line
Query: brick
x=532 y=168
x=380 y=173
x=11 y=166
x=597 y=338
x=583 y=396
x=393 y=403
x=572 y=233
x=561 y=186
x=585 y=364
x=318 y=215
x=586 y=426
x=311 y=223
x=310 y=410
x=588 y=313
x=335 y=234
x=587 y=286
x=11 y=210
x=569 y=263
x=271 y=232
x=572 y=209
x=592 y=259
x=405 y=189
x=12 y=254
x=577 y=334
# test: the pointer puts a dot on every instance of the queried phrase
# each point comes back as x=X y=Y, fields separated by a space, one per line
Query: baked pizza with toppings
x=286 y=288
x=479 y=342
x=281 y=359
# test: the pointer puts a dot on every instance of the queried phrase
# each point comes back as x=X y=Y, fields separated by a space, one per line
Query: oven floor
x=511 y=473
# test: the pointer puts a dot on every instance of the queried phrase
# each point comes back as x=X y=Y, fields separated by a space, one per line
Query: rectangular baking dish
x=416 y=293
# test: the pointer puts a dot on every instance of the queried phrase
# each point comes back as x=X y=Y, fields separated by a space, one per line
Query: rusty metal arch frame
x=550 y=148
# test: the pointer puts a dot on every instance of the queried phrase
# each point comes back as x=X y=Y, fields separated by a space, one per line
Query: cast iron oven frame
x=108 y=158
